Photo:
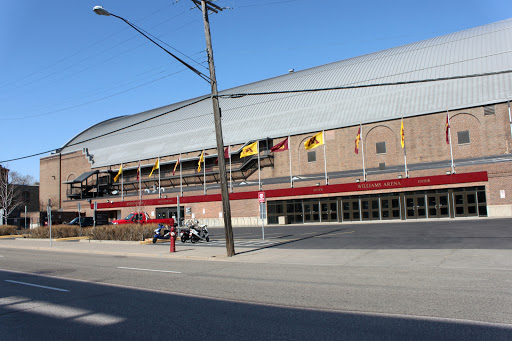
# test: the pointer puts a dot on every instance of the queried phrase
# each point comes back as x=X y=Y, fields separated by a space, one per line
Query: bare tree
x=10 y=190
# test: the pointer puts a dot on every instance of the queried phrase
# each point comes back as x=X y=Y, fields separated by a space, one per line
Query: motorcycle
x=185 y=231
x=184 y=234
x=161 y=233
x=199 y=233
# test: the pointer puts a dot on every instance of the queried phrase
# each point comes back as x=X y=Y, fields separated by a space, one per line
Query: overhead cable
x=349 y=87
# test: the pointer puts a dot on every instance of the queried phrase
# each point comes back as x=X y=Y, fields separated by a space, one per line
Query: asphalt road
x=479 y=233
x=60 y=295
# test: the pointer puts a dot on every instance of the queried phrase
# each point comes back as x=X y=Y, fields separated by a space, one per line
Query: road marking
x=36 y=285
x=123 y=267
x=334 y=233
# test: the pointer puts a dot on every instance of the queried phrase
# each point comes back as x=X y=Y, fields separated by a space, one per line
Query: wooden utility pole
x=228 y=229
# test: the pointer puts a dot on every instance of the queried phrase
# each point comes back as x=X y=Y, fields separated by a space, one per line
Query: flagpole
x=140 y=185
x=181 y=178
x=204 y=172
x=325 y=159
x=159 y=189
x=450 y=139
x=290 y=154
x=509 y=118
x=405 y=162
x=230 y=177
x=362 y=150
x=259 y=171
x=122 y=183
x=405 y=151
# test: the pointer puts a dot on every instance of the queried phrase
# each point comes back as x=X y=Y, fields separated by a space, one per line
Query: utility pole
x=204 y=6
x=228 y=229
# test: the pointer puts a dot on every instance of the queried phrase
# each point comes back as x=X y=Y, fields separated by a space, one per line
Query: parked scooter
x=184 y=234
x=185 y=231
x=199 y=233
x=161 y=232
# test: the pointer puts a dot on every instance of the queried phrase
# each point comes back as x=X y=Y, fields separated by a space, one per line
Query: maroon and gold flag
x=315 y=141
x=226 y=155
x=280 y=147
x=358 y=138
x=175 y=166
x=447 y=130
x=249 y=150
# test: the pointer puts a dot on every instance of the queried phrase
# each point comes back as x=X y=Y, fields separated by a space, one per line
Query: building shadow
x=89 y=311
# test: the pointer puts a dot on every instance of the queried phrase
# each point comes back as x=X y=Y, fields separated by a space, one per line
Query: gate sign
x=261 y=196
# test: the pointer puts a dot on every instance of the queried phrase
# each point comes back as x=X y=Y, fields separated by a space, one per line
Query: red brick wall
x=424 y=139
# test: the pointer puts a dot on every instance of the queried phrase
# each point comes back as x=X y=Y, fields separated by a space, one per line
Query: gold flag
x=402 y=134
x=201 y=159
x=155 y=167
x=119 y=173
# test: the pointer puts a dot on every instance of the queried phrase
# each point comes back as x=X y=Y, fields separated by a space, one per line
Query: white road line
x=38 y=286
x=123 y=267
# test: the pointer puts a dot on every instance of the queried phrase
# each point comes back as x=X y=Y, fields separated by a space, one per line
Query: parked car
x=143 y=218
x=86 y=221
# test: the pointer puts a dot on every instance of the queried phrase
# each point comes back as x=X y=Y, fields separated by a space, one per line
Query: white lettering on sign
x=261 y=196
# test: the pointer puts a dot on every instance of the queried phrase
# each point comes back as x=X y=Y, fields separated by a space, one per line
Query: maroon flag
x=226 y=155
x=280 y=147
x=175 y=166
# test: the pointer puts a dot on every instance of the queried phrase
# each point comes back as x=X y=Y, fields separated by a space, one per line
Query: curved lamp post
x=205 y=5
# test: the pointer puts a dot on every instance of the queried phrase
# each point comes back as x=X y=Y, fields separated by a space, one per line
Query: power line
x=269 y=93
x=96 y=90
x=268 y=3
x=95 y=100
x=117 y=130
x=238 y=95
x=80 y=52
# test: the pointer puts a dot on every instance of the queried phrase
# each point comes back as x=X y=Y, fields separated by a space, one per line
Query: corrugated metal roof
x=478 y=50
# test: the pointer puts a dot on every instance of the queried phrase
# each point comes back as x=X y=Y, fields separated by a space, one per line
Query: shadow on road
x=433 y=234
x=97 y=311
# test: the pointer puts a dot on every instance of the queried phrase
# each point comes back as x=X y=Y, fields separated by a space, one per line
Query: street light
x=205 y=6
x=100 y=11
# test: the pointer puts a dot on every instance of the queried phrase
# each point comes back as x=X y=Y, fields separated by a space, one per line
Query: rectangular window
x=463 y=137
x=381 y=147
x=312 y=156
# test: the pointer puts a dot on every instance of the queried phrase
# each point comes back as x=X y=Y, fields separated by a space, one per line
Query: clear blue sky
x=64 y=68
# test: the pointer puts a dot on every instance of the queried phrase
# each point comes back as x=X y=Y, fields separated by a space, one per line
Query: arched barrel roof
x=478 y=50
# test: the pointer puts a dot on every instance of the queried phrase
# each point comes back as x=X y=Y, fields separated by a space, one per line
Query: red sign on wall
x=261 y=196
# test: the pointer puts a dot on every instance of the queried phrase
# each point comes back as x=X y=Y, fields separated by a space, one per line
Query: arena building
x=420 y=131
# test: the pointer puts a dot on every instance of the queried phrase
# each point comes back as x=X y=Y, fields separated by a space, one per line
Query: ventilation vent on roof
x=489 y=110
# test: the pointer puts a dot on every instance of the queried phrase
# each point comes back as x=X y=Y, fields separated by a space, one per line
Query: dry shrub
x=58 y=231
x=7 y=230
x=133 y=232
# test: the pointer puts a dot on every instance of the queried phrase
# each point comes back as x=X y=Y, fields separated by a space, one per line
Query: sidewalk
x=498 y=259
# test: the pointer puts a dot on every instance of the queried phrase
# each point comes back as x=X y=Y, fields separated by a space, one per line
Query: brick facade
x=424 y=140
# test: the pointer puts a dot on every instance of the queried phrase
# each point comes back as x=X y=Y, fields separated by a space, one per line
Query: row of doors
x=399 y=206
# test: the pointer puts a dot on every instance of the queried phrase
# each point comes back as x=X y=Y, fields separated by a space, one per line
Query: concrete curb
x=13 y=236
